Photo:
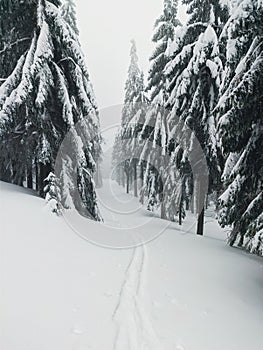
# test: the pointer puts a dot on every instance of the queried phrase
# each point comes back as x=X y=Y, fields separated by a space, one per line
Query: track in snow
x=134 y=330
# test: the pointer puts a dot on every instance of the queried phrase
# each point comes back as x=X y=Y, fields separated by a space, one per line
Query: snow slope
x=180 y=291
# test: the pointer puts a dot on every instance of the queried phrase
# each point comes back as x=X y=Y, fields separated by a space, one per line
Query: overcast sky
x=106 y=28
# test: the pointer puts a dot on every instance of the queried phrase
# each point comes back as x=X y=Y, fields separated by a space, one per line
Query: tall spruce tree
x=46 y=94
x=241 y=126
x=154 y=132
x=126 y=148
x=164 y=30
x=194 y=82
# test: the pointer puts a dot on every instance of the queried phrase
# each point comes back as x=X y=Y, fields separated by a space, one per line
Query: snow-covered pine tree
x=241 y=126
x=118 y=174
x=68 y=11
x=53 y=193
x=126 y=148
x=47 y=95
x=164 y=30
x=153 y=154
x=131 y=140
x=15 y=40
x=154 y=132
x=133 y=86
x=194 y=81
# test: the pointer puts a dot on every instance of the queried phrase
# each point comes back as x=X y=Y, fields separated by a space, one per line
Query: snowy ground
x=180 y=291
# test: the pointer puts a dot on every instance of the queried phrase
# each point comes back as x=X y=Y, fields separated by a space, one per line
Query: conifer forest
x=147 y=234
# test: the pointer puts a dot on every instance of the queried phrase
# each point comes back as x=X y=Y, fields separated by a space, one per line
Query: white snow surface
x=180 y=292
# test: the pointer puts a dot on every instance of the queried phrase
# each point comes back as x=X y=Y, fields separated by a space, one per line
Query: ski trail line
x=134 y=330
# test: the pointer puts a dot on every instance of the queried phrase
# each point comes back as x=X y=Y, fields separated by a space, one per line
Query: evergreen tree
x=53 y=193
x=164 y=30
x=154 y=132
x=241 y=126
x=69 y=14
x=126 y=148
x=133 y=86
x=45 y=96
x=194 y=82
x=118 y=174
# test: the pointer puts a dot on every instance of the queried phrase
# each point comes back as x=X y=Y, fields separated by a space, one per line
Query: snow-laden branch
x=10 y=45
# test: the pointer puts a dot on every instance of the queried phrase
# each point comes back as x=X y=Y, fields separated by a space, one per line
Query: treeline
x=46 y=94
x=196 y=129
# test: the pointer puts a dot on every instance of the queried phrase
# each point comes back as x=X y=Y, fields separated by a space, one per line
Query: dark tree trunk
x=181 y=202
x=193 y=200
x=36 y=176
x=21 y=181
x=197 y=198
x=217 y=201
x=207 y=202
x=241 y=241
x=29 y=178
x=187 y=204
x=233 y=237
x=142 y=175
x=201 y=195
x=20 y=176
x=200 y=224
x=127 y=182
x=44 y=170
x=130 y=178
x=141 y=183
x=162 y=200
x=135 y=179
x=5 y=174
x=181 y=213
x=14 y=175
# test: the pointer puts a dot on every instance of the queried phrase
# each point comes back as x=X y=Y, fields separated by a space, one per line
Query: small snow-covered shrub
x=53 y=194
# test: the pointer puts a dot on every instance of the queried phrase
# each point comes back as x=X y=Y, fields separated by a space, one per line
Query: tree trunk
x=128 y=182
x=122 y=177
x=142 y=175
x=241 y=241
x=193 y=200
x=44 y=170
x=5 y=174
x=233 y=237
x=36 y=177
x=21 y=181
x=217 y=200
x=197 y=198
x=163 y=214
x=135 y=179
x=29 y=178
x=187 y=203
x=207 y=202
x=181 y=213
x=21 y=176
x=200 y=224
x=201 y=208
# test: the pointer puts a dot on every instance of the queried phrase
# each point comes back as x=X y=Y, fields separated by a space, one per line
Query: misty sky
x=106 y=28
